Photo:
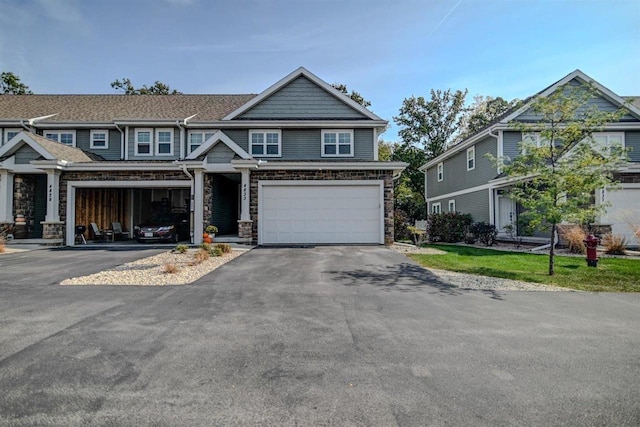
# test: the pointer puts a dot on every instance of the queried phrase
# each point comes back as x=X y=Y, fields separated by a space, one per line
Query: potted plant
x=209 y=233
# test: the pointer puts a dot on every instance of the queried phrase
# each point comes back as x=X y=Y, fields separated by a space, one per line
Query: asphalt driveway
x=307 y=336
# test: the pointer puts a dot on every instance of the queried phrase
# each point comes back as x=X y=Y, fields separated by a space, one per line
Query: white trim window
x=452 y=205
x=440 y=172
x=99 y=139
x=603 y=141
x=164 y=142
x=9 y=133
x=471 y=158
x=265 y=143
x=143 y=142
x=337 y=143
x=198 y=137
x=66 y=137
x=436 y=208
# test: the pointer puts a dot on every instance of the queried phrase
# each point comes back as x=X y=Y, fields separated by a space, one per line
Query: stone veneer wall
x=112 y=176
x=208 y=200
x=24 y=187
x=324 y=175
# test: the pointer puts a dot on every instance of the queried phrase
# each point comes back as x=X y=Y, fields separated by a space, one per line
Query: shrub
x=417 y=234
x=448 y=227
x=614 y=244
x=206 y=247
x=201 y=256
x=181 y=248
x=574 y=236
x=171 y=268
x=225 y=248
x=216 y=252
x=484 y=232
x=400 y=224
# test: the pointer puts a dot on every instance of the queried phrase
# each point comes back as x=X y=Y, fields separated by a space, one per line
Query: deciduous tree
x=158 y=88
x=482 y=113
x=10 y=84
x=353 y=95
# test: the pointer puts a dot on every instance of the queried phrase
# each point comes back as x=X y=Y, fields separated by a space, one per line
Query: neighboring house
x=296 y=164
x=464 y=180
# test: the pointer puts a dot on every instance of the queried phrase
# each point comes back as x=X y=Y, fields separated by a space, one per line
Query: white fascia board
x=147 y=122
x=399 y=166
x=220 y=168
x=24 y=138
x=219 y=136
x=301 y=71
x=60 y=125
x=122 y=166
x=269 y=124
x=457 y=148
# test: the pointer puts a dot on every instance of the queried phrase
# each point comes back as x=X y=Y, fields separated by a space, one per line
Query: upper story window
x=100 y=139
x=440 y=171
x=66 y=137
x=436 y=208
x=197 y=138
x=605 y=140
x=471 y=158
x=10 y=133
x=265 y=143
x=164 y=142
x=143 y=142
x=337 y=143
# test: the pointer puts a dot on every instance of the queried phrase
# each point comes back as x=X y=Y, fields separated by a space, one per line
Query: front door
x=506 y=213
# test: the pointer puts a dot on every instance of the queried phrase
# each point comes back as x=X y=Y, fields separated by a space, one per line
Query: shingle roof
x=106 y=108
x=64 y=152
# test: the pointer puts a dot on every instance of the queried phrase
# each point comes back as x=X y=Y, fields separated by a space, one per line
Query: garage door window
x=337 y=143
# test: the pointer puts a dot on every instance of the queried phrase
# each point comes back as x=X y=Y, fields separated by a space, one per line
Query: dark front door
x=39 y=206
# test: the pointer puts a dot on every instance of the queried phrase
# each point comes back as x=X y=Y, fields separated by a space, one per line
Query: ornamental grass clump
x=171 y=268
x=614 y=244
x=2 y=247
x=575 y=237
x=181 y=248
x=201 y=256
x=225 y=248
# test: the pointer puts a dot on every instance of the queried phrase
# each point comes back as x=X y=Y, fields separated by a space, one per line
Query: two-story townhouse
x=464 y=180
x=295 y=164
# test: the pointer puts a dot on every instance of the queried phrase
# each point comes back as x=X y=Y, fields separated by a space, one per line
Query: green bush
x=206 y=247
x=225 y=248
x=216 y=251
x=400 y=224
x=484 y=232
x=449 y=227
x=181 y=248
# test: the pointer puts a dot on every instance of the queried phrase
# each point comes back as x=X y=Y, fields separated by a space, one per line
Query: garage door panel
x=320 y=214
x=623 y=211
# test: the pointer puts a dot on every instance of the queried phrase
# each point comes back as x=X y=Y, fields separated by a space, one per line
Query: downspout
x=492 y=199
x=183 y=132
x=191 y=199
x=121 y=141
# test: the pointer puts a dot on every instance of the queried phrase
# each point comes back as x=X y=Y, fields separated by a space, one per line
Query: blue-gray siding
x=302 y=99
x=112 y=152
x=632 y=142
x=25 y=154
x=220 y=153
x=132 y=145
x=456 y=175
x=476 y=204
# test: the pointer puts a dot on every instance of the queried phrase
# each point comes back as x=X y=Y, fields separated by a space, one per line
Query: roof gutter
x=183 y=134
x=31 y=122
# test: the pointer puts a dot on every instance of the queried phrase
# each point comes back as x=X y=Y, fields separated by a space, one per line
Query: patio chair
x=118 y=233
x=98 y=234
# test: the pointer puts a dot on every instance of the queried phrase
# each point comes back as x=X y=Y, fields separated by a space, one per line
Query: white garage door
x=624 y=210
x=327 y=212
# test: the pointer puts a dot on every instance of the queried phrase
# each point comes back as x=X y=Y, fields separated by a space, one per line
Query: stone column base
x=245 y=229
x=53 y=230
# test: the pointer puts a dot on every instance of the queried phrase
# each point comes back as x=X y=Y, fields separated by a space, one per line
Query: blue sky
x=386 y=50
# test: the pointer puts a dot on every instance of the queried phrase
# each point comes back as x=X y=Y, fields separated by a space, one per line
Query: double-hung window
x=337 y=143
x=100 y=139
x=164 y=142
x=440 y=171
x=452 y=205
x=436 y=208
x=604 y=141
x=265 y=143
x=66 y=137
x=10 y=133
x=143 y=142
x=197 y=138
x=471 y=158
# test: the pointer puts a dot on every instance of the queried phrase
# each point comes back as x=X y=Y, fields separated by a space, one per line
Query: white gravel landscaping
x=150 y=271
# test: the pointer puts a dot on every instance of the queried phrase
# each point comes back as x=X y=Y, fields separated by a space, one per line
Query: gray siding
x=456 y=175
x=239 y=136
x=632 y=141
x=220 y=153
x=301 y=99
x=132 y=144
x=112 y=152
x=476 y=204
x=510 y=144
x=25 y=154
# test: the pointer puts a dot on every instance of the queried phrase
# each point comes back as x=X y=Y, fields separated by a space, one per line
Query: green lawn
x=612 y=274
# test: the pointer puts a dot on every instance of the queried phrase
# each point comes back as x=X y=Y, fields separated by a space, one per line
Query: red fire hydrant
x=592 y=243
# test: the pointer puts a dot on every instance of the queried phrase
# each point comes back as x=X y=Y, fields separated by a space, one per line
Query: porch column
x=6 y=196
x=53 y=196
x=198 y=206
x=245 y=225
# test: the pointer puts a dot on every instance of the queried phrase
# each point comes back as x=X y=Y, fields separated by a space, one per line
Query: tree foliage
x=483 y=112
x=158 y=88
x=10 y=84
x=431 y=124
x=353 y=95
x=557 y=177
